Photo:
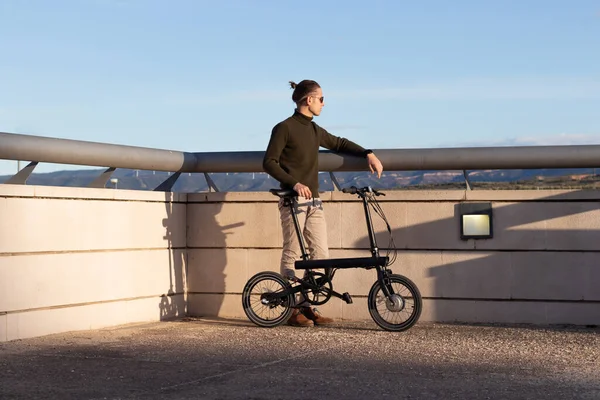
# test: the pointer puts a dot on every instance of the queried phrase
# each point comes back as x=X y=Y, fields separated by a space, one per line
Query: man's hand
x=374 y=164
x=303 y=190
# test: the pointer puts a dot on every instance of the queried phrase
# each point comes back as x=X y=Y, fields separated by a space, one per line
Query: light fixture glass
x=476 y=225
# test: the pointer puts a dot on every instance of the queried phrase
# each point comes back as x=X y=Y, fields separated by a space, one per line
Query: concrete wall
x=542 y=266
x=74 y=258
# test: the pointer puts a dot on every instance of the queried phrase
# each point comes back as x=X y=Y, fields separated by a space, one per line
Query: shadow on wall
x=173 y=303
x=208 y=256
x=534 y=256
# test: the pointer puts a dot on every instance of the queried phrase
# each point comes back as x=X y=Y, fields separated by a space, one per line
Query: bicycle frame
x=372 y=240
x=375 y=261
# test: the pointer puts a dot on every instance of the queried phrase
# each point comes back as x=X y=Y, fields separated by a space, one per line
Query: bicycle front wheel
x=401 y=310
x=262 y=304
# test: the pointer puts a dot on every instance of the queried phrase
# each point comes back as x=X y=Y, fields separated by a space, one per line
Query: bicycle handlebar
x=362 y=191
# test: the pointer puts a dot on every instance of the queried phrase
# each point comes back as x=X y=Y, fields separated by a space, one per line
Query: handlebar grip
x=367 y=189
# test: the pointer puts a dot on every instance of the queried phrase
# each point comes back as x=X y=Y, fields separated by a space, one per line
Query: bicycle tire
x=253 y=302
x=375 y=299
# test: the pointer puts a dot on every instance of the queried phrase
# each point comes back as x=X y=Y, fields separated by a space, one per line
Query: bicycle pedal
x=347 y=298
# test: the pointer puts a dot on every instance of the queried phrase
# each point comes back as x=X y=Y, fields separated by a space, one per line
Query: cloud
x=563 y=139
x=532 y=88
x=478 y=89
x=115 y=3
x=196 y=99
x=344 y=127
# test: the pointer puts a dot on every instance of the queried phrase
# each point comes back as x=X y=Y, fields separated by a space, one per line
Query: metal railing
x=36 y=149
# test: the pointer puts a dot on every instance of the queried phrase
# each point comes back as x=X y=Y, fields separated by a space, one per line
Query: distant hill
x=252 y=182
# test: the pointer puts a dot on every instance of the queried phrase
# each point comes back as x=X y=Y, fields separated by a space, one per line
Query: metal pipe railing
x=77 y=152
x=112 y=156
x=66 y=151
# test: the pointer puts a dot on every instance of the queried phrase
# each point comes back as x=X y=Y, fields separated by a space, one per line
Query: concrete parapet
x=77 y=258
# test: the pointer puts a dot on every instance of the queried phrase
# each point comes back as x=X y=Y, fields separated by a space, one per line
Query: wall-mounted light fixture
x=476 y=221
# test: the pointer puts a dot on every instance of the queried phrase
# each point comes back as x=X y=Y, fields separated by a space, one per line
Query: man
x=292 y=159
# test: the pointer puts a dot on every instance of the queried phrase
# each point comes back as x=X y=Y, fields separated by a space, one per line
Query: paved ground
x=231 y=359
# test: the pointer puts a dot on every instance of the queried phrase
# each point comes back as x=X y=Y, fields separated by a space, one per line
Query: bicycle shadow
x=173 y=303
x=535 y=256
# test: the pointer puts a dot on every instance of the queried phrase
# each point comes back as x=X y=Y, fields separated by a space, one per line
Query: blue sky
x=212 y=76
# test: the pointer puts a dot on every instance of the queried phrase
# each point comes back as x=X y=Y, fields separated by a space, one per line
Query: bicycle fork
x=383 y=276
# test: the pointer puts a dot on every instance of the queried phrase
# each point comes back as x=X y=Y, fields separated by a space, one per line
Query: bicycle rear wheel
x=261 y=306
x=401 y=310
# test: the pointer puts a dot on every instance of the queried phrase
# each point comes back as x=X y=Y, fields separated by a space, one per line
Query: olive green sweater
x=292 y=155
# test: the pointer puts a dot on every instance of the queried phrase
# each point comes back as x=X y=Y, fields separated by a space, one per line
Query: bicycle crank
x=317 y=288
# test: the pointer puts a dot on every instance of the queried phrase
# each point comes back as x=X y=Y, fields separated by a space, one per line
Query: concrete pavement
x=200 y=358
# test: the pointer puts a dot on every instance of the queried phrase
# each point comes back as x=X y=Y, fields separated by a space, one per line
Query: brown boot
x=315 y=316
x=298 y=319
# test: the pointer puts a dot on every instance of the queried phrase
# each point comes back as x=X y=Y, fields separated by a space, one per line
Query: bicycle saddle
x=284 y=192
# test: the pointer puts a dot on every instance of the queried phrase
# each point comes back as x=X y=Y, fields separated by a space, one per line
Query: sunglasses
x=320 y=98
